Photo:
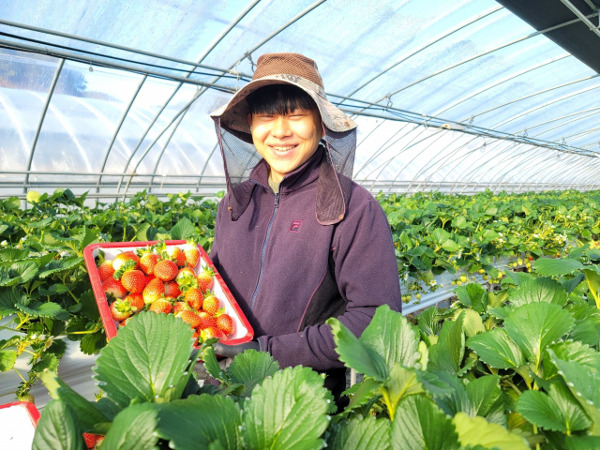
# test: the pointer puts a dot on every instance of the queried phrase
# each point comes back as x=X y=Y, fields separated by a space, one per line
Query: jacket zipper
x=264 y=251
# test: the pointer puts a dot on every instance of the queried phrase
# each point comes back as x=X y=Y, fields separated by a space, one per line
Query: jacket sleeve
x=366 y=273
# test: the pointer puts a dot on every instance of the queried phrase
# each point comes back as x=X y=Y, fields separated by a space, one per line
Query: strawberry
x=148 y=261
x=179 y=306
x=154 y=290
x=210 y=304
x=174 y=253
x=136 y=302
x=211 y=332
x=208 y=321
x=134 y=281
x=114 y=288
x=161 y=305
x=123 y=257
x=106 y=270
x=120 y=309
x=206 y=279
x=166 y=270
x=92 y=440
x=186 y=278
x=172 y=289
x=192 y=254
x=225 y=324
x=194 y=297
x=190 y=317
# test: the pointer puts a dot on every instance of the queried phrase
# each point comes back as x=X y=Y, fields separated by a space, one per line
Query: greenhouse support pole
x=41 y=121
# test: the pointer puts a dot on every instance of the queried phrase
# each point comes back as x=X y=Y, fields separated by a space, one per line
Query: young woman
x=296 y=240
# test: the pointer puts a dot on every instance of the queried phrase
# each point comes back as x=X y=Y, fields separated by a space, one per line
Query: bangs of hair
x=279 y=99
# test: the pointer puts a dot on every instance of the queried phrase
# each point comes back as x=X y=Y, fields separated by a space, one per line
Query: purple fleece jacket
x=289 y=273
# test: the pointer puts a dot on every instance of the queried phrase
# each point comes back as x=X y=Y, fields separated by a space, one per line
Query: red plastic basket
x=18 y=421
x=243 y=331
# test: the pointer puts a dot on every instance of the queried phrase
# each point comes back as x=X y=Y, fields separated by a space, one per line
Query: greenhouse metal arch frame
x=447 y=103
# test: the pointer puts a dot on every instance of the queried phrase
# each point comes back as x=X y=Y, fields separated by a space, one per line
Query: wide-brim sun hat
x=283 y=68
x=240 y=156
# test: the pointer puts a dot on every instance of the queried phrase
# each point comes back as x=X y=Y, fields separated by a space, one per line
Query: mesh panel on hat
x=288 y=63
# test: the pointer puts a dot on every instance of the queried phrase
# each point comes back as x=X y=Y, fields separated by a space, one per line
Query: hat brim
x=234 y=114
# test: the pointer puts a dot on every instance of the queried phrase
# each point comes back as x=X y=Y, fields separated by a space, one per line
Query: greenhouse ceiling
x=111 y=97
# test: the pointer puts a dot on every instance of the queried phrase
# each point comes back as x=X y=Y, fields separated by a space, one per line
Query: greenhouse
x=476 y=132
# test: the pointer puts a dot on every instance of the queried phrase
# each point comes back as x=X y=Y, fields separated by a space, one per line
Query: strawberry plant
x=259 y=406
x=514 y=368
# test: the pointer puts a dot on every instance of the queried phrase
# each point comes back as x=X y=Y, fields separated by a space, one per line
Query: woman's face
x=286 y=141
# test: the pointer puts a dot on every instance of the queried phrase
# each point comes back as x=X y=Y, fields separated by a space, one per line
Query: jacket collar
x=330 y=204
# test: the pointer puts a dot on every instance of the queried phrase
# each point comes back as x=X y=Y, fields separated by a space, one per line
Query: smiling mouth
x=282 y=148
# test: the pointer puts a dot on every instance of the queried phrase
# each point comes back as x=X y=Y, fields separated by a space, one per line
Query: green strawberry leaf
x=288 y=410
x=49 y=309
x=355 y=354
x=7 y=359
x=58 y=427
x=534 y=326
x=9 y=298
x=473 y=323
x=486 y=399
x=572 y=351
x=207 y=419
x=419 y=423
x=87 y=412
x=12 y=255
x=183 y=229
x=389 y=334
x=401 y=383
x=473 y=295
x=18 y=273
x=153 y=349
x=447 y=354
x=144 y=419
x=361 y=434
x=496 y=349
x=58 y=266
x=250 y=368
x=535 y=290
x=583 y=381
x=362 y=393
x=593 y=280
x=556 y=267
x=558 y=410
x=476 y=432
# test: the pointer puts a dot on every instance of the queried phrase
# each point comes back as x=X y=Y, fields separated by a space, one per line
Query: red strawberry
x=211 y=332
x=208 y=321
x=136 y=302
x=114 y=288
x=154 y=290
x=134 y=281
x=161 y=305
x=210 y=304
x=194 y=297
x=172 y=289
x=120 y=309
x=185 y=273
x=180 y=306
x=148 y=261
x=186 y=278
x=206 y=279
x=225 y=324
x=175 y=254
x=106 y=270
x=190 y=317
x=122 y=258
x=192 y=255
x=166 y=270
x=92 y=440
